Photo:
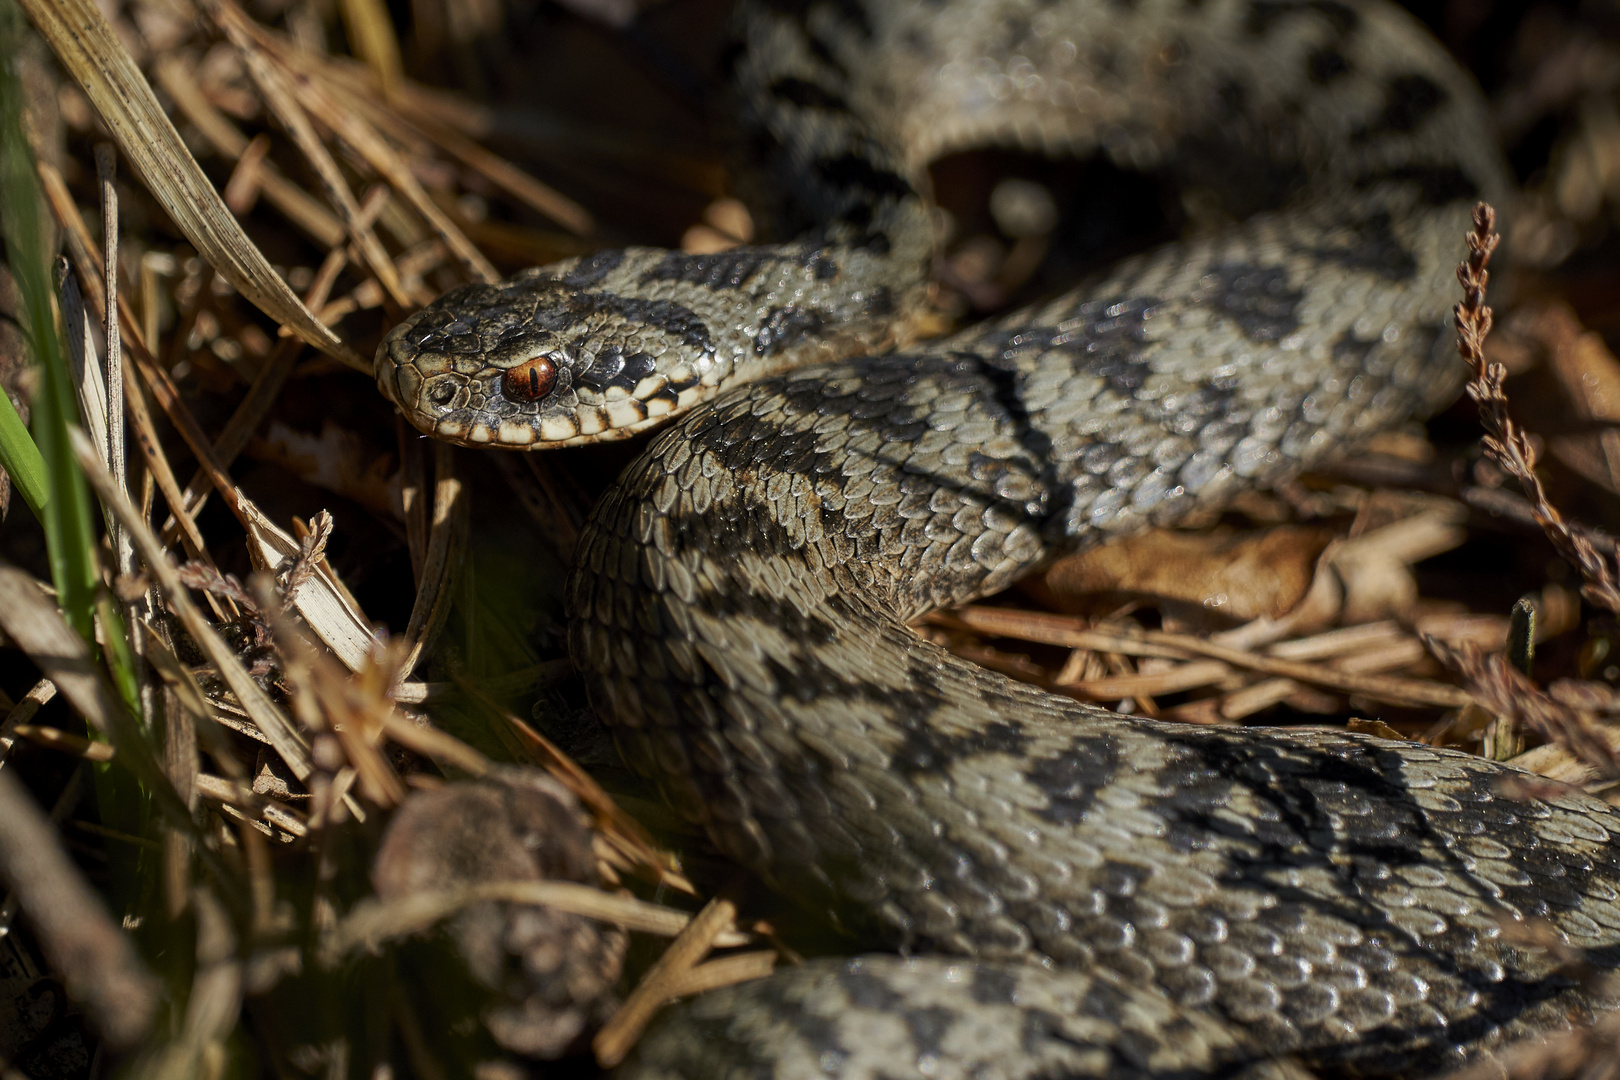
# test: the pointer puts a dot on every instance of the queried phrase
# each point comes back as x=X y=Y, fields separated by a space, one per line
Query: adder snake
x=1059 y=890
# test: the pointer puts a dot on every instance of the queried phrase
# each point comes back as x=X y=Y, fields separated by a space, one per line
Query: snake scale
x=1047 y=888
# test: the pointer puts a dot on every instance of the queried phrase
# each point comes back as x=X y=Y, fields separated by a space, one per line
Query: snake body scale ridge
x=1060 y=891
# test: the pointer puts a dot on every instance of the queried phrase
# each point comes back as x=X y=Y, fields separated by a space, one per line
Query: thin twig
x=300 y=207
x=1069 y=632
x=140 y=606
x=55 y=739
x=37 y=626
x=23 y=712
x=726 y=971
x=279 y=97
x=67 y=216
x=96 y=57
x=619 y=1034
x=621 y=831
x=373 y=922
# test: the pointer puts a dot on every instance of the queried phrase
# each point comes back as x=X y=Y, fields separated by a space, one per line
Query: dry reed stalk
x=300 y=207
x=421 y=737
x=372 y=31
x=281 y=100
x=56 y=739
x=37 y=626
x=1255 y=697
x=117 y=464
x=242 y=187
x=446 y=549
x=1391 y=657
x=419 y=112
x=372 y=922
x=22 y=712
x=726 y=971
x=1332 y=643
x=236 y=797
x=186 y=695
x=1188 y=676
x=352 y=127
x=353 y=710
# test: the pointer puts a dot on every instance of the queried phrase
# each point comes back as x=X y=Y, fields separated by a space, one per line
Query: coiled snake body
x=1071 y=892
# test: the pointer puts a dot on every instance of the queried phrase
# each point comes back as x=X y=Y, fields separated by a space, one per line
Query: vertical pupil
x=530 y=380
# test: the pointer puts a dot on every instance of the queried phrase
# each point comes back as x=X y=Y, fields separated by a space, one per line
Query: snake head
x=541 y=361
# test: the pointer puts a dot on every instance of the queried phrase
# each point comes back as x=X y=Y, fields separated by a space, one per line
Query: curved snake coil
x=1060 y=891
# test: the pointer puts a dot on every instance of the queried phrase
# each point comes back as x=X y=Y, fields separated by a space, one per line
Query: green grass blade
x=22 y=460
x=64 y=509
x=63 y=500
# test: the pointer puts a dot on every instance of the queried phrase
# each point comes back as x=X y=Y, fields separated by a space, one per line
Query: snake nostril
x=442 y=393
x=530 y=380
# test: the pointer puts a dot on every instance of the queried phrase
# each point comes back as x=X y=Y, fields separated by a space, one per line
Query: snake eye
x=530 y=380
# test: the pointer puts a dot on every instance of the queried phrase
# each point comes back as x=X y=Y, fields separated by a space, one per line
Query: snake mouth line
x=494 y=365
x=472 y=410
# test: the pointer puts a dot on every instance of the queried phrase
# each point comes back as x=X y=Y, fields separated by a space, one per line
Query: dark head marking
x=593 y=268
x=1325 y=64
x=807 y=95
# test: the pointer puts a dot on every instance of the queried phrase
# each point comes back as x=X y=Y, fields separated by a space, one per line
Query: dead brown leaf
x=1374 y=567
x=1241 y=575
x=1373 y=727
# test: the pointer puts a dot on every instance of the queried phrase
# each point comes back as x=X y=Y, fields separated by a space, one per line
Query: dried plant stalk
x=300 y=207
x=727 y=971
x=99 y=63
x=619 y=1034
x=1505 y=442
x=279 y=98
x=1066 y=631
x=447 y=542
x=288 y=741
x=1508 y=692
x=372 y=922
